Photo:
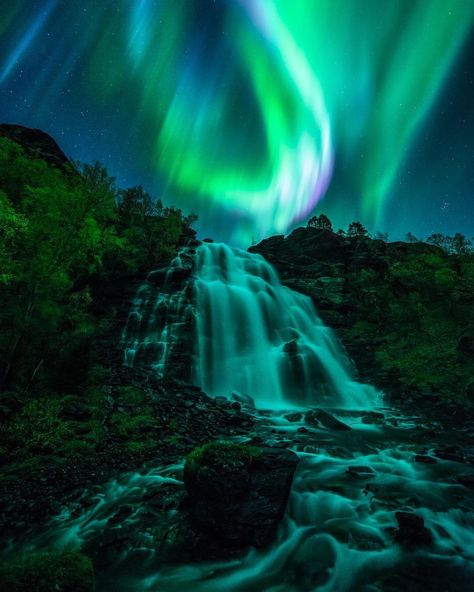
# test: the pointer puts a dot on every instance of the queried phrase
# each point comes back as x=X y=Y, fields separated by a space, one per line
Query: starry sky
x=256 y=114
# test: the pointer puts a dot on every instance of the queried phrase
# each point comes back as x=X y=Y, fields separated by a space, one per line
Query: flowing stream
x=257 y=338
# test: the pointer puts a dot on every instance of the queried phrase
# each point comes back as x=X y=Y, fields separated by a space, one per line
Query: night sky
x=256 y=114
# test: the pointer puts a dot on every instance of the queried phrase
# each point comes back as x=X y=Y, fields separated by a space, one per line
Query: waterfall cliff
x=257 y=337
x=248 y=334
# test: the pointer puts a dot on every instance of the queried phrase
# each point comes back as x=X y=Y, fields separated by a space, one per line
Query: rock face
x=159 y=331
x=366 y=290
x=238 y=493
x=36 y=143
x=412 y=531
x=319 y=416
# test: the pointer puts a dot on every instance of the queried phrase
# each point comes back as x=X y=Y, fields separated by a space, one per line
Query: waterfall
x=257 y=337
x=159 y=317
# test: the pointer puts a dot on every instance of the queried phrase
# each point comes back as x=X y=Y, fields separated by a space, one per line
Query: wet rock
x=466 y=479
x=373 y=417
x=291 y=347
x=293 y=417
x=121 y=514
x=240 y=420
x=238 y=493
x=244 y=400
x=453 y=453
x=360 y=471
x=224 y=401
x=166 y=497
x=412 y=531
x=328 y=420
x=424 y=458
x=311 y=418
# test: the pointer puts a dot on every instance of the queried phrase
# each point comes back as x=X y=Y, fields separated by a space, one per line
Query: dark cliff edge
x=37 y=144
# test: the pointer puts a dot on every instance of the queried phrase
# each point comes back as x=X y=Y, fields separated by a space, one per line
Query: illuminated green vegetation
x=64 y=236
x=218 y=456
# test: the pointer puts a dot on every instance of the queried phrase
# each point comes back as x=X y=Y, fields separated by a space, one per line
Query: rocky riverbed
x=381 y=500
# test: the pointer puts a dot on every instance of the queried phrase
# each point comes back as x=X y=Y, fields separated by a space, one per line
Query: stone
x=424 y=458
x=291 y=347
x=328 y=420
x=412 y=531
x=238 y=493
x=311 y=418
x=360 y=471
x=452 y=453
x=293 y=417
x=373 y=417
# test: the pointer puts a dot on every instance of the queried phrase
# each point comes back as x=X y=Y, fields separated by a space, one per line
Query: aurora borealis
x=256 y=113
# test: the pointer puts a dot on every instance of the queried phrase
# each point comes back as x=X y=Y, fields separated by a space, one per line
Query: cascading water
x=339 y=532
x=159 y=313
x=259 y=338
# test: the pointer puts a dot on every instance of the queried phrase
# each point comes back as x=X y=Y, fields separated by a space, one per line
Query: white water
x=336 y=535
x=159 y=311
x=246 y=323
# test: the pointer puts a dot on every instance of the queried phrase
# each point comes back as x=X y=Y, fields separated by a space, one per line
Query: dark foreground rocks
x=412 y=531
x=233 y=498
x=47 y=572
x=238 y=493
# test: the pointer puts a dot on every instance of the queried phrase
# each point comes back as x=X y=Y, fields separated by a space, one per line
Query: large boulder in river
x=238 y=493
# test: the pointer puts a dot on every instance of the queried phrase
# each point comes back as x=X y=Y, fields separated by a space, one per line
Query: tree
x=460 y=244
x=321 y=222
x=62 y=236
x=439 y=240
x=357 y=230
x=411 y=238
x=383 y=236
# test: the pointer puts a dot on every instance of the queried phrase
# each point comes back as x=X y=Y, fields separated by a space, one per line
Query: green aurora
x=242 y=111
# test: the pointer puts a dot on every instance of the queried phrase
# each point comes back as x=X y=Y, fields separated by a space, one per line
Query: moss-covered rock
x=238 y=493
x=47 y=572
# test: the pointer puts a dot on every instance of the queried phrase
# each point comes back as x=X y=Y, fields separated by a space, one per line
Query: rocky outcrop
x=238 y=493
x=412 y=531
x=159 y=331
x=36 y=143
x=388 y=302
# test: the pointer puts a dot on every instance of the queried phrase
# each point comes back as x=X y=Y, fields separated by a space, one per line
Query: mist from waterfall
x=257 y=337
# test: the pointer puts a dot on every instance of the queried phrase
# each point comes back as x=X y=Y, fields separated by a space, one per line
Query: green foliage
x=413 y=309
x=62 y=236
x=321 y=222
x=128 y=425
x=357 y=230
x=220 y=455
x=45 y=572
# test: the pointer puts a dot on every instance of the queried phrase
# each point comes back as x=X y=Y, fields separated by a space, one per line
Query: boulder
x=238 y=493
x=326 y=419
x=412 y=531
